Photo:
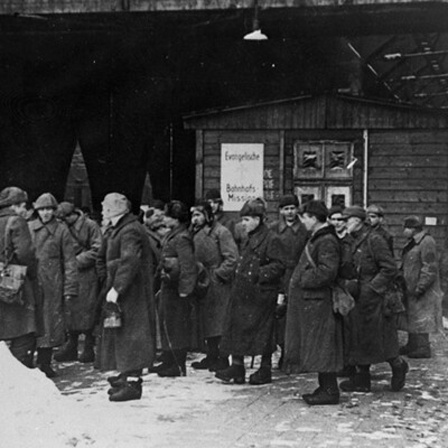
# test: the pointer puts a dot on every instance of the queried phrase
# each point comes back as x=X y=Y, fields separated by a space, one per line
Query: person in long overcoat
x=313 y=341
x=249 y=324
x=293 y=236
x=216 y=249
x=57 y=274
x=80 y=313
x=373 y=333
x=424 y=295
x=178 y=273
x=124 y=258
x=19 y=323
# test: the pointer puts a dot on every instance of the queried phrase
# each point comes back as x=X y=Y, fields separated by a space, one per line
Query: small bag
x=12 y=276
x=343 y=301
x=113 y=316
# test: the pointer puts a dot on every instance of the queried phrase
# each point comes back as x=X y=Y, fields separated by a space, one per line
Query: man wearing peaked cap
x=57 y=275
x=420 y=269
x=373 y=335
x=375 y=217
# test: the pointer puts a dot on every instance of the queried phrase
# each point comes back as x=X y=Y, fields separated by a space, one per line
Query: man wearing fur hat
x=80 y=313
x=124 y=261
x=424 y=295
x=57 y=275
x=249 y=326
x=215 y=248
x=293 y=236
x=373 y=334
x=19 y=324
x=313 y=340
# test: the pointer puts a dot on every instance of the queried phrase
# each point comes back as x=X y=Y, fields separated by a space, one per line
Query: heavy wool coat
x=19 y=320
x=313 y=340
x=249 y=324
x=421 y=274
x=125 y=254
x=179 y=274
x=57 y=275
x=87 y=238
x=373 y=333
x=216 y=249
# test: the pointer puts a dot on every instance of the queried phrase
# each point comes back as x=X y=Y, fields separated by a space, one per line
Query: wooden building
x=343 y=149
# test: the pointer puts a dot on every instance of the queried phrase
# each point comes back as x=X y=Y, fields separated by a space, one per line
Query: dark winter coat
x=57 y=275
x=87 y=238
x=421 y=274
x=215 y=248
x=236 y=228
x=249 y=323
x=313 y=340
x=125 y=253
x=373 y=334
x=18 y=320
x=179 y=273
x=293 y=239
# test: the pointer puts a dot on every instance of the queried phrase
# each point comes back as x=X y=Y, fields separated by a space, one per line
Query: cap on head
x=254 y=207
x=375 y=209
x=45 y=200
x=316 y=208
x=412 y=222
x=288 y=199
x=213 y=195
x=336 y=209
x=65 y=209
x=12 y=195
x=114 y=204
x=355 y=211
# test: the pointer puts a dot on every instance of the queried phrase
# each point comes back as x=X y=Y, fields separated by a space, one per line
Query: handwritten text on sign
x=241 y=173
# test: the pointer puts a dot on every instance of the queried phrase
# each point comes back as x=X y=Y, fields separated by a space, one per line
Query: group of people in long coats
x=240 y=280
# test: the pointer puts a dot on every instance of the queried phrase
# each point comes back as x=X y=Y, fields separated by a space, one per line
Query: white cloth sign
x=241 y=173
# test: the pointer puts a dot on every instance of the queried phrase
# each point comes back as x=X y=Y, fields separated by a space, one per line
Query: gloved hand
x=112 y=295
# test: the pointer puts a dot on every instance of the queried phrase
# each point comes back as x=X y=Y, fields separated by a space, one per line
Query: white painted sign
x=241 y=173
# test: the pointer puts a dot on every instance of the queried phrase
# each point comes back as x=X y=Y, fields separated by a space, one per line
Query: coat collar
x=258 y=236
x=418 y=237
x=50 y=226
x=124 y=221
x=6 y=211
x=172 y=233
x=282 y=226
x=77 y=225
x=326 y=230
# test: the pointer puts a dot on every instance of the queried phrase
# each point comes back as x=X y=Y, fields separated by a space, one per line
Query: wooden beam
x=11 y=7
x=199 y=186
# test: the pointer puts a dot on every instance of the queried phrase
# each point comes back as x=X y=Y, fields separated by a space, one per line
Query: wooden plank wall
x=212 y=160
x=408 y=174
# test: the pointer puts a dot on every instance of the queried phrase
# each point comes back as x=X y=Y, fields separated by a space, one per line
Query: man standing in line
x=19 y=323
x=215 y=248
x=80 y=314
x=125 y=264
x=424 y=295
x=373 y=335
x=293 y=237
x=375 y=217
x=57 y=273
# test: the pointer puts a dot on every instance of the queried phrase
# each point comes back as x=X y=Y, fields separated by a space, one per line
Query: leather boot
x=131 y=390
x=410 y=345
x=69 y=351
x=423 y=347
x=22 y=348
x=399 y=370
x=359 y=382
x=346 y=372
x=235 y=373
x=88 y=353
x=178 y=367
x=43 y=362
x=261 y=376
x=220 y=364
x=204 y=364
x=327 y=393
x=167 y=361
x=321 y=383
